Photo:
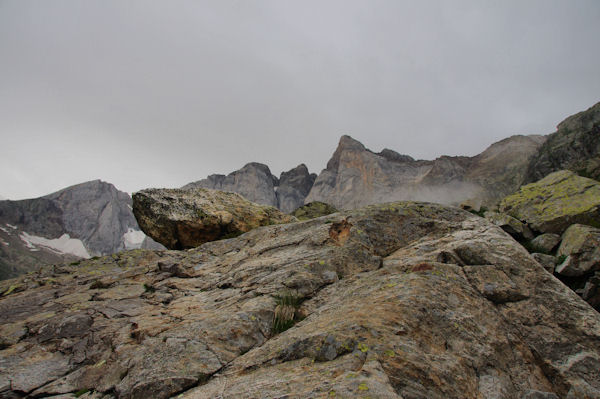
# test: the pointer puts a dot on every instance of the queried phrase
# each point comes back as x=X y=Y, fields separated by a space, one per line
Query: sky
x=161 y=93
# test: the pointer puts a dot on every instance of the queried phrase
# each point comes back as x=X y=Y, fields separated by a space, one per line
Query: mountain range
x=94 y=218
x=81 y=221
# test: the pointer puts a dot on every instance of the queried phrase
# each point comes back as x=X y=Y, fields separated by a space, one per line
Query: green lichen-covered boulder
x=313 y=210
x=554 y=203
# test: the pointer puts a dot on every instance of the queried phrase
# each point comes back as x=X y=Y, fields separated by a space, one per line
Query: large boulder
x=512 y=226
x=545 y=242
x=180 y=218
x=401 y=300
x=555 y=202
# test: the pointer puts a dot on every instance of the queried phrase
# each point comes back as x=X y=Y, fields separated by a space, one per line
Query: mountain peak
x=347 y=142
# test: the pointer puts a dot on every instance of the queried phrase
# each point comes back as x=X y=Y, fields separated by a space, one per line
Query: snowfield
x=62 y=245
x=133 y=239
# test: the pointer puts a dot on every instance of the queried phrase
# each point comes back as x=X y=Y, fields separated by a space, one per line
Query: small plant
x=286 y=314
x=81 y=392
x=481 y=212
x=149 y=288
x=561 y=259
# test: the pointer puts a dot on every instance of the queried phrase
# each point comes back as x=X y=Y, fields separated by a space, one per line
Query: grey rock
x=512 y=226
x=533 y=394
x=254 y=182
x=581 y=245
x=547 y=261
x=394 y=323
x=546 y=242
x=294 y=186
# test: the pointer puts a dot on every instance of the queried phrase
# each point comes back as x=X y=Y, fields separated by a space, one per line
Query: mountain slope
x=575 y=146
x=88 y=219
x=399 y=300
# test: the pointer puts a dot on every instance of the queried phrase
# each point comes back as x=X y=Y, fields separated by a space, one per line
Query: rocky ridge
x=574 y=146
x=401 y=300
x=356 y=176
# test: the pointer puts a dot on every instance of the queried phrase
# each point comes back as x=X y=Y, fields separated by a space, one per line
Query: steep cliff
x=356 y=176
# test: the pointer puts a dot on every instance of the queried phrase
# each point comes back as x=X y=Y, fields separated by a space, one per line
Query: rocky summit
x=399 y=300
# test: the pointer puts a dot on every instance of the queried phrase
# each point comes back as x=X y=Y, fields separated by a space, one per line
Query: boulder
x=313 y=210
x=509 y=224
x=555 y=202
x=399 y=300
x=186 y=218
x=545 y=242
x=581 y=246
x=548 y=261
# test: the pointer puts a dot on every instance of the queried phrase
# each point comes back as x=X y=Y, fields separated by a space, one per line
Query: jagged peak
x=394 y=156
x=347 y=142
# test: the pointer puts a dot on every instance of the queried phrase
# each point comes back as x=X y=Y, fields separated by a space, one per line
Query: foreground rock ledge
x=182 y=219
x=405 y=300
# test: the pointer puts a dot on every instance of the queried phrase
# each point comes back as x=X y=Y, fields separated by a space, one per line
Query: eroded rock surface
x=186 y=218
x=404 y=300
x=555 y=202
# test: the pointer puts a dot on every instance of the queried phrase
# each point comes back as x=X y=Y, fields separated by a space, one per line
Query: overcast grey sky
x=161 y=93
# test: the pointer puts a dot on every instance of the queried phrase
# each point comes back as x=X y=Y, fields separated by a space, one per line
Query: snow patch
x=11 y=226
x=133 y=239
x=62 y=245
x=4 y=242
x=4 y=229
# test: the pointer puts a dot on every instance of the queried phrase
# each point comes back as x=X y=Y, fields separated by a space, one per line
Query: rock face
x=294 y=186
x=313 y=210
x=256 y=183
x=405 y=300
x=84 y=220
x=555 y=202
x=186 y=218
x=356 y=177
x=574 y=146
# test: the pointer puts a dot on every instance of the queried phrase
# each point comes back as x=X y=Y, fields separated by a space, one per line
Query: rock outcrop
x=356 y=177
x=88 y=219
x=405 y=300
x=186 y=218
x=294 y=186
x=574 y=146
x=555 y=202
